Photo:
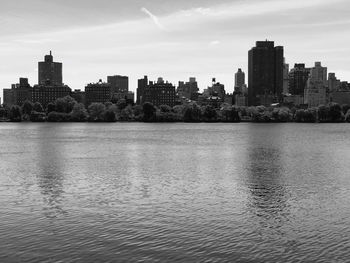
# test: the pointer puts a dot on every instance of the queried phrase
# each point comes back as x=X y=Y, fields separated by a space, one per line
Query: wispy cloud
x=153 y=17
x=214 y=43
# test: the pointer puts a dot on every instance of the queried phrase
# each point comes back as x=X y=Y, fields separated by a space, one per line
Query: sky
x=166 y=38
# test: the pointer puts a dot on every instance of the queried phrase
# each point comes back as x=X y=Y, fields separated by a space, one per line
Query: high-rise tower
x=50 y=73
x=239 y=80
x=265 y=73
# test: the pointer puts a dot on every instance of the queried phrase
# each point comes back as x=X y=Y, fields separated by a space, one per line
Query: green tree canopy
x=97 y=111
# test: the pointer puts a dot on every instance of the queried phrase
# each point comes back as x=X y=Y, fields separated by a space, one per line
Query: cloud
x=214 y=42
x=153 y=17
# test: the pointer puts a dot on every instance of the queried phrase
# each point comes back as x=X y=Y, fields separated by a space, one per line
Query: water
x=174 y=192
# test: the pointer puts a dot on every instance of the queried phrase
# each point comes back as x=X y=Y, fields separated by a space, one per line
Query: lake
x=135 y=192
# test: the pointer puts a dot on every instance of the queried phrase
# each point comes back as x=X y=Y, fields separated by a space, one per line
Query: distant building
x=265 y=73
x=285 y=78
x=229 y=99
x=241 y=100
x=50 y=86
x=141 y=86
x=78 y=95
x=98 y=92
x=50 y=73
x=315 y=93
x=18 y=93
x=216 y=90
x=188 y=90
x=44 y=94
x=298 y=77
x=340 y=97
x=8 y=96
x=159 y=93
x=129 y=97
x=239 y=80
x=119 y=84
x=22 y=91
x=333 y=82
x=319 y=73
x=294 y=100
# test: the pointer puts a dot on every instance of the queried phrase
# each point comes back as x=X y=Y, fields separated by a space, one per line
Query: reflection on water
x=50 y=164
x=174 y=193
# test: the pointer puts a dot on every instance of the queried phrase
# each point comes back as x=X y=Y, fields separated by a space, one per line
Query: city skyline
x=173 y=40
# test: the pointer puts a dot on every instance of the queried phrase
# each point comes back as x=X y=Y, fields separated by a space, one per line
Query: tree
x=126 y=114
x=347 y=116
x=165 y=108
x=3 y=113
x=27 y=107
x=335 y=113
x=79 y=113
x=50 y=107
x=148 y=112
x=65 y=104
x=209 y=113
x=121 y=104
x=323 y=113
x=97 y=112
x=109 y=116
x=345 y=108
x=55 y=116
x=15 y=113
x=37 y=116
x=38 y=107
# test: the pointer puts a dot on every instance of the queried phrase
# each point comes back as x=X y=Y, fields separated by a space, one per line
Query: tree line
x=68 y=110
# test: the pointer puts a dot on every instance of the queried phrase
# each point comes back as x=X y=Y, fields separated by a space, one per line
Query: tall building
x=98 y=92
x=285 y=78
x=319 y=73
x=239 y=80
x=333 y=82
x=50 y=86
x=159 y=93
x=119 y=84
x=315 y=93
x=50 y=73
x=188 y=90
x=265 y=73
x=298 y=77
x=141 y=86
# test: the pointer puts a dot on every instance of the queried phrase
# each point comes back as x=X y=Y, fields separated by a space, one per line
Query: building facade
x=44 y=94
x=239 y=81
x=99 y=92
x=119 y=84
x=141 y=86
x=50 y=72
x=315 y=93
x=159 y=93
x=188 y=90
x=285 y=78
x=265 y=73
x=298 y=77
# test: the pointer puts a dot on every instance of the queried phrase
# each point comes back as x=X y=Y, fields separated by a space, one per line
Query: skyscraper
x=119 y=84
x=239 y=80
x=315 y=93
x=50 y=73
x=141 y=86
x=285 y=78
x=265 y=73
x=298 y=77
